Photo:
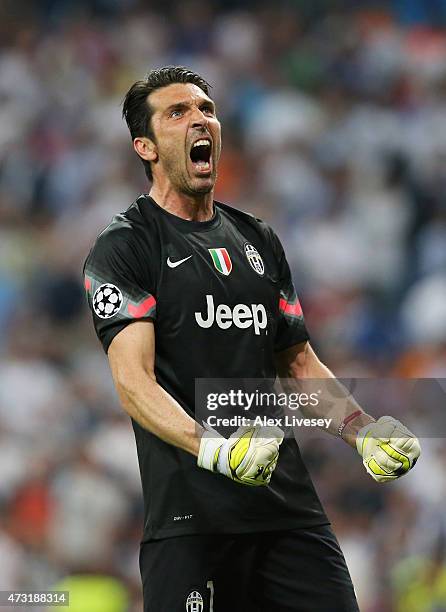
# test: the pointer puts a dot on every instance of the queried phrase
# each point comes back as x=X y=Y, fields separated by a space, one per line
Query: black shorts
x=278 y=571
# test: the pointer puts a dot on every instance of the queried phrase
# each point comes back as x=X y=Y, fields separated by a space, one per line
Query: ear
x=146 y=148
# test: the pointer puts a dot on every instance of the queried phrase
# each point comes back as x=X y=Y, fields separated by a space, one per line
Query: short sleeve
x=119 y=288
x=291 y=324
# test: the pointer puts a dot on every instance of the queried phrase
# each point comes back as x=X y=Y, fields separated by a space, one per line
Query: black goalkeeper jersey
x=222 y=301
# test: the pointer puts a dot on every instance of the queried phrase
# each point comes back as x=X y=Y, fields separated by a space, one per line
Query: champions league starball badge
x=107 y=301
x=255 y=261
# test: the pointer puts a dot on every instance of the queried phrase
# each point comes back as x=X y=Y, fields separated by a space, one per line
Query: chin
x=201 y=187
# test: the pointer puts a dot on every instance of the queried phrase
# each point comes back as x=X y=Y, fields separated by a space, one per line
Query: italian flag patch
x=221 y=260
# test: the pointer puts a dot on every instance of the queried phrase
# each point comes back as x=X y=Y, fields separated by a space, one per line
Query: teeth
x=202 y=143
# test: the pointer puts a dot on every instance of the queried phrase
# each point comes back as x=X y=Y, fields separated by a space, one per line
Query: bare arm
x=299 y=363
x=132 y=358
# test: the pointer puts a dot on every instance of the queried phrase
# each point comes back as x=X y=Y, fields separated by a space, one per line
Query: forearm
x=307 y=373
x=158 y=412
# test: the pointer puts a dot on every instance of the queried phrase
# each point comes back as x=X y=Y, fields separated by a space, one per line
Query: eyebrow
x=186 y=104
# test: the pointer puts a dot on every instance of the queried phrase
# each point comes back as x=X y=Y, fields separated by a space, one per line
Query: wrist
x=348 y=419
x=353 y=425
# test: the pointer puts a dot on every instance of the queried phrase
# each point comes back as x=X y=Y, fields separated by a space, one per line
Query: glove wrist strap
x=208 y=454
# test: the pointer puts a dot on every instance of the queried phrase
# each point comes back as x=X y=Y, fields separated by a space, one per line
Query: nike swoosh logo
x=174 y=264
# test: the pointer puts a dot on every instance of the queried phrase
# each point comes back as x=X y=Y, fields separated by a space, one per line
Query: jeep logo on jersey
x=242 y=316
x=194 y=602
x=221 y=260
x=254 y=258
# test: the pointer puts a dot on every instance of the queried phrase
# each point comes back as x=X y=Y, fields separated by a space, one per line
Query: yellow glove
x=249 y=456
x=388 y=449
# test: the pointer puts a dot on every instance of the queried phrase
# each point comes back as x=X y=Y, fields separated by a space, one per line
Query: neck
x=189 y=207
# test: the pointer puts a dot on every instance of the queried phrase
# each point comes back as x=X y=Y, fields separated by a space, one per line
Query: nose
x=199 y=119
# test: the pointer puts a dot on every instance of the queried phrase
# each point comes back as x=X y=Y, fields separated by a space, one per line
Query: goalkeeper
x=183 y=287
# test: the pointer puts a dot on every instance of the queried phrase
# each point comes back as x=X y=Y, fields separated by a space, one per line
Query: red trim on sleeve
x=140 y=311
x=87 y=283
x=290 y=309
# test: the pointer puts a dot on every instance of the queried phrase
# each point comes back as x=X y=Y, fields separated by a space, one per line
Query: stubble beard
x=186 y=184
x=191 y=190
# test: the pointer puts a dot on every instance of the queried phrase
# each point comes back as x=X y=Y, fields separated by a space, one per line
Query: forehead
x=176 y=93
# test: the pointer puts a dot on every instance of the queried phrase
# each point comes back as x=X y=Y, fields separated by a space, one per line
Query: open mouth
x=200 y=154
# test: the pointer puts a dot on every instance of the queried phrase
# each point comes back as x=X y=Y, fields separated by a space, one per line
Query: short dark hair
x=136 y=110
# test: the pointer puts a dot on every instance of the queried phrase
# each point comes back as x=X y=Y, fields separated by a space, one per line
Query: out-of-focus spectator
x=89 y=507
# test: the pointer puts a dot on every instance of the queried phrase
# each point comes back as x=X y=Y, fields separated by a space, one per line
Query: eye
x=207 y=109
x=176 y=113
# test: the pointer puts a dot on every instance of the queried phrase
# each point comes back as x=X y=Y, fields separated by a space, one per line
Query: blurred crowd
x=334 y=132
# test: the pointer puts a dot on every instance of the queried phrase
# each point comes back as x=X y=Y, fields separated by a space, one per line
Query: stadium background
x=334 y=124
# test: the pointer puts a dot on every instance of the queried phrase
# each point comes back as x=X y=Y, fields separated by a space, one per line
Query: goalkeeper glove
x=249 y=456
x=388 y=449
